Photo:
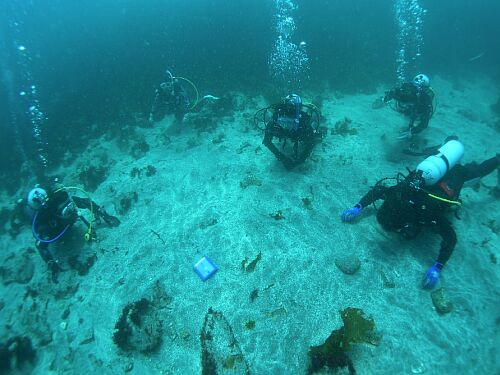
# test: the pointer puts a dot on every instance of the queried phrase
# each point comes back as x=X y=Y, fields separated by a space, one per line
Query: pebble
x=348 y=264
x=417 y=368
x=441 y=303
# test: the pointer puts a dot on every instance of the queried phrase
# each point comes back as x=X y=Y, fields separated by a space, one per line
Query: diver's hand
x=405 y=134
x=351 y=213
x=431 y=277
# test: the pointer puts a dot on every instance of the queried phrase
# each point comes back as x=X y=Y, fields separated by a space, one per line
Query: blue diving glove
x=431 y=277
x=351 y=213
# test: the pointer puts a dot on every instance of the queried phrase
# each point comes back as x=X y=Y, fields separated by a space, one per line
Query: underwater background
x=77 y=81
x=97 y=61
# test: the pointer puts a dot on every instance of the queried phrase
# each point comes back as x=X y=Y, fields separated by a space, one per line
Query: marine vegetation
x=220 y=351
x=332 y=354
x=278 y=215
x=250 y=180
x=139 y=327
x=91 y=177
x=343 y=127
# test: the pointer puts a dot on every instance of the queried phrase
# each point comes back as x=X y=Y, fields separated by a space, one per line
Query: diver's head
x=169 y=75
x=293 y=99
x=421 y=80
x=37 y=197
x=167 y=86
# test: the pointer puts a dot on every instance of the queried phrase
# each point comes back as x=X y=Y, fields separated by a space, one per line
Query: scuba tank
x=436 y=166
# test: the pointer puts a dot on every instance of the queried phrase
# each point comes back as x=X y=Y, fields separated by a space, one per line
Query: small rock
x=250 y=180
x=418 y=368
x=442 y=305
x=63 y=325
x=129 y=367
x=349 y=264
x=65 y=313
x=208 y=223
x=139 y=327
x=387 y=281
x=88 y=338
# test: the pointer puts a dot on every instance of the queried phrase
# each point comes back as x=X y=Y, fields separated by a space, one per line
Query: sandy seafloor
x=197 y=206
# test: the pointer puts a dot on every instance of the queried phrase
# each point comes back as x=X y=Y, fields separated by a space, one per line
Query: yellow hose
x=444 y=200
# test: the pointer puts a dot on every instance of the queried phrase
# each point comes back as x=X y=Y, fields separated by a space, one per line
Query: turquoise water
x=78 y=82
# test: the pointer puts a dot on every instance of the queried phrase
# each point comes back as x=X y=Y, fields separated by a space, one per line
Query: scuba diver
x=291 y=120
x=423 y=198
x=415 y=100
x=170 y=98
x=53 y=212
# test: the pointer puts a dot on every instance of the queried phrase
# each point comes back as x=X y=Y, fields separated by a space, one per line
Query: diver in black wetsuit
x=415 y=100
x=53 y=212
x=170 y=98
x=291 y=121
x=424 y=197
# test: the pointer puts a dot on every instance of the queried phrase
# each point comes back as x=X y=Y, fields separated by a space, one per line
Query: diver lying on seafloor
x=424 y=197
x=291 y=121
x=415 y=100
x=52 y=213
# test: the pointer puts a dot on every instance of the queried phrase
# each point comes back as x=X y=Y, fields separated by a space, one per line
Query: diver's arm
x=423 y=123
x=448 y=243
x=426 y=109
x=389 y=95
x=472 y=171
x=98 y=211
x=157 y=102
x=268 y=142
x=403 y=92
x=376 y=193
x=84 y=203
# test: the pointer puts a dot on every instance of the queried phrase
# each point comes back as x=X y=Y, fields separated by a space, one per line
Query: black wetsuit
x=50 y=221
x=172 y=99
x=284 y=127
x=414 y=102
x=56 y=216
x=406 y=210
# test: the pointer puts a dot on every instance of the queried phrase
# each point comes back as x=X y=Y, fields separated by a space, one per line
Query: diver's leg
x=268 y=142
x=52 y=264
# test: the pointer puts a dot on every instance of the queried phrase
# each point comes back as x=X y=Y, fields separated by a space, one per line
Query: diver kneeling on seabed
x=171 y=97
x=416 y=100
x=424 y=197
x=294 y=121
x=52 y=212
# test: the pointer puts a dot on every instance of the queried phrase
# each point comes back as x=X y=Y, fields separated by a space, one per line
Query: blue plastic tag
x=205 y=268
